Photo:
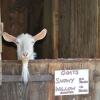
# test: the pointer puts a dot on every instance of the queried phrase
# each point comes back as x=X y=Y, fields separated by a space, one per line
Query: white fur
x=25 y=73
x=25 y=49
x=25 y=43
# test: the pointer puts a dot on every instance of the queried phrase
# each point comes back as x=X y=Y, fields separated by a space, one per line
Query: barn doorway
x=22 y=16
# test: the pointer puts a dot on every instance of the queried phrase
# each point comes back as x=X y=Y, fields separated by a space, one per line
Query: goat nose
x=25 y=54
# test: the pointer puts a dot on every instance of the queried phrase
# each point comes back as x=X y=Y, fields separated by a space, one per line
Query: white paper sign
x=71 y=82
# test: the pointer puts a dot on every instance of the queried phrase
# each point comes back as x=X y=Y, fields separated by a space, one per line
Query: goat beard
x=25 y=71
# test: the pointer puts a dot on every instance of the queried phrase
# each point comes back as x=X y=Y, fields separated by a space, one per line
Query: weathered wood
x=78 y=28
x=14 y=18
x=98 y=29
x=55 y=11
x=42 y=87
x=33 y=78
x=1 y=30
x=47 y=23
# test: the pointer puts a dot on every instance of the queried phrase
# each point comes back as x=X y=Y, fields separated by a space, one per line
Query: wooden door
x=41 y=86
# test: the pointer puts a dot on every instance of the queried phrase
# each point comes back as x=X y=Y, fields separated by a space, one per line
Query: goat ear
x=40 y=35
x=9 y=38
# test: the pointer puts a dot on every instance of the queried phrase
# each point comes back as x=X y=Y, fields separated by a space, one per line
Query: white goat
x=25 y=49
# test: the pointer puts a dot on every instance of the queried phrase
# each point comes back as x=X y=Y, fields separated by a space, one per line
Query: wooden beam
x=55 y=11
x=1 y=30
x=33 y=78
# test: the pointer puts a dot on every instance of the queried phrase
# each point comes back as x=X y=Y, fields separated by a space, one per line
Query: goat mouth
x=24 y=57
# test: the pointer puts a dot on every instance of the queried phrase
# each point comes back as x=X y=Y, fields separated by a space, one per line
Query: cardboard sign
x=71 y=82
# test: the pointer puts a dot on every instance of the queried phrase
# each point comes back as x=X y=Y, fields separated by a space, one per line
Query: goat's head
x=25 y=43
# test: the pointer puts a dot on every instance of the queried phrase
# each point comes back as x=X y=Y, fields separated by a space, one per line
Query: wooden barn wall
x=78 y=28
x=19 y=17
x=73 y=29
x=15 y=21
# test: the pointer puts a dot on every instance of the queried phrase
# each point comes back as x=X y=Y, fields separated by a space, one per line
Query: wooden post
x=1 y=30
x=55 y=11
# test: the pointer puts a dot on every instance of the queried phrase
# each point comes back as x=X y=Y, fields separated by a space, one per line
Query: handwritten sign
x=71 y=82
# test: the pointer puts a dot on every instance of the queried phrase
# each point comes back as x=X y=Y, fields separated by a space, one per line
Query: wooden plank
x=33 y=78
x=0 y=73
x=1 y=30
x=98 y=29
x=39 y=90
x=55 y=15
x=48 y=23
x=65 y=28
x=97 y=42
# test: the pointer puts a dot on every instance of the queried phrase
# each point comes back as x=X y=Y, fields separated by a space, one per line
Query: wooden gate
x=41 y=84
